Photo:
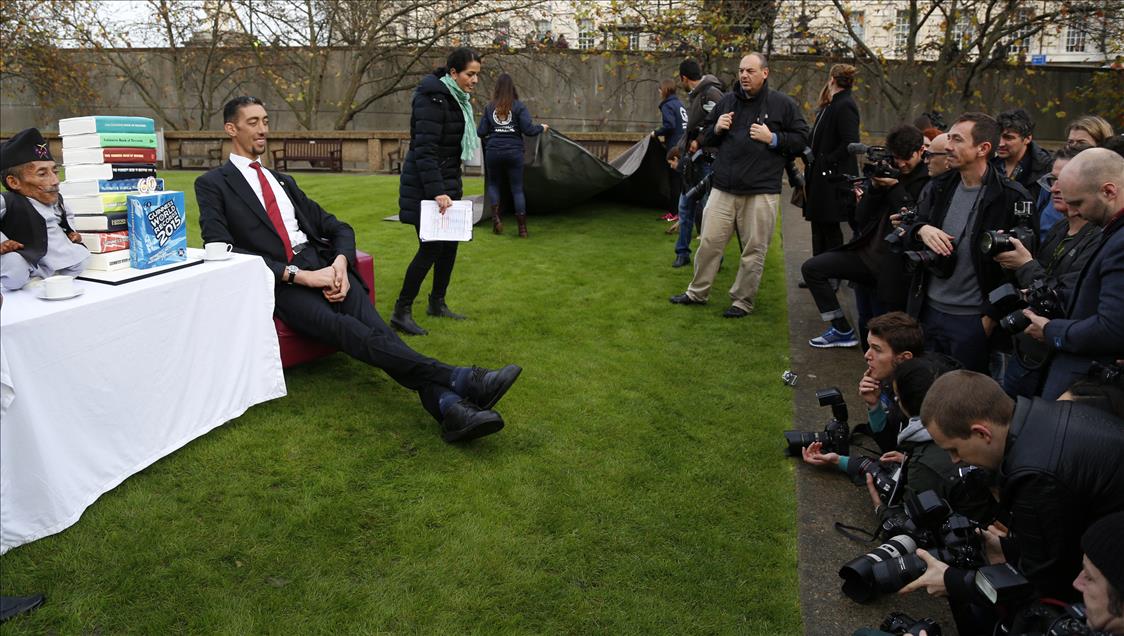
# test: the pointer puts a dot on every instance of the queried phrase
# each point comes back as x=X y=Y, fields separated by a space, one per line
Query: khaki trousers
x=754 y=216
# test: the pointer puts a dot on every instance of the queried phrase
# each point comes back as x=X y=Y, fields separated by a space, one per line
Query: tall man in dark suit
x=312 y=255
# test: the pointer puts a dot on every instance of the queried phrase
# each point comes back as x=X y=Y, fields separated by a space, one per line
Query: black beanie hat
x=25 y=146
x=1104 y=545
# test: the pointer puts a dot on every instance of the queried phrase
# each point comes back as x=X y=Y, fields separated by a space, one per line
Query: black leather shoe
x=734 y=312
x=464 y=421
x=403 y=320
x=485 y=388
x=684 y=299
x=438 y=308
x=681 y=260
x=13 y=606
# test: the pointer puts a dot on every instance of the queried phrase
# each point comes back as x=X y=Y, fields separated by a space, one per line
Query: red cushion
x=297 y=349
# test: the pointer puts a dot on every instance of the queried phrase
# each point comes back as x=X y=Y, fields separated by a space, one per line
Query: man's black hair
x=905 y=140
x=691 y=70
x=230 y=110
x=1017 y=121
x=984 y=128
x=1114 y=143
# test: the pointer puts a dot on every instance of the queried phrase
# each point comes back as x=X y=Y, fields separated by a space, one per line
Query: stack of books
x=106 y=159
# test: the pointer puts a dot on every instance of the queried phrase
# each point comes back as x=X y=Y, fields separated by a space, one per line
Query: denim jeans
x=687 y=210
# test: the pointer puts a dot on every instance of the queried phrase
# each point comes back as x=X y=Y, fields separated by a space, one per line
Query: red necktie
x=273 y=211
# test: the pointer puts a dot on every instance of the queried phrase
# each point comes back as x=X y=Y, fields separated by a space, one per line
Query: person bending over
x=318 y=294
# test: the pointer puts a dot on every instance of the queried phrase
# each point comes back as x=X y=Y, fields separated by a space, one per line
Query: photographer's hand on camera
x=933 y=578
x=993 y=545
x=1016 y=258
x=936 y=239
x=1037 y=327
x=883 y=182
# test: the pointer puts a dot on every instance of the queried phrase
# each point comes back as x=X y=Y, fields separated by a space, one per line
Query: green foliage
x=638 y=488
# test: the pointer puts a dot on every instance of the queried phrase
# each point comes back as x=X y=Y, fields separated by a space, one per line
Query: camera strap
x=855 y=533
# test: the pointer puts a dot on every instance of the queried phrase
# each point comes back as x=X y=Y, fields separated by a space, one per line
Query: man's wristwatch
x=291 y=270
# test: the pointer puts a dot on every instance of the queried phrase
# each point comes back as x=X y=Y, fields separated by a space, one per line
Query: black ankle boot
x=437 y=307
x=497 y=221
x=403 y=320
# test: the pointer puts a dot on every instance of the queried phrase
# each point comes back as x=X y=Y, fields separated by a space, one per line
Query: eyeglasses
x=927 y=155
x=1047 y=181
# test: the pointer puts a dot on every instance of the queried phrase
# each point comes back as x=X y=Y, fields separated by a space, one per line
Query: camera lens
x=858 y=575
x=993 y=242
x=891 y=576
x=1014 y=322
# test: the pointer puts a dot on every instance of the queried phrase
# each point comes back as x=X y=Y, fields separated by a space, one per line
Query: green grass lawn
x=638 y=488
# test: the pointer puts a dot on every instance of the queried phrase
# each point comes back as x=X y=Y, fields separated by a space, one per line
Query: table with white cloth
x=95 y=388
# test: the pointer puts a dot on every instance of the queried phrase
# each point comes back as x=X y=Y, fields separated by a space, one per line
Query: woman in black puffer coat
x=439 y=141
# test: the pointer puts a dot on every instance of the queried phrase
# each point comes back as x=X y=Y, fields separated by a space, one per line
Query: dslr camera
x=836 y=435
x=886 y=476
x=994 y=242
x=925 y=521
x=899 y=236
x=939 y=266
x=900 y=623
x=1040 y=298
x=880 y=163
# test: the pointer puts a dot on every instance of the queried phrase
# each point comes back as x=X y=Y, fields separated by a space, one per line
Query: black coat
x=996 y=212
x=829 y=196
x=433 y=164
x=230 y=212
x=1035 y=163
x=745 y=166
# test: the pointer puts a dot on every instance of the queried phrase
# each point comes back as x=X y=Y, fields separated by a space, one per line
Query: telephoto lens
x=1014 y=322
x=858 y=575
x=891 y=576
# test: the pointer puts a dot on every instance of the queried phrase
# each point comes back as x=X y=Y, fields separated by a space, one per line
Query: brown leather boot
x=497 y=222
x=521 y=219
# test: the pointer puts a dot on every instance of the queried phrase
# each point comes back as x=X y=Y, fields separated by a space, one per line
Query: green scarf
x=469 y=141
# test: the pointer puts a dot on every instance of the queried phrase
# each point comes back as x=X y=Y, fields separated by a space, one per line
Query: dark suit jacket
x=230 y=212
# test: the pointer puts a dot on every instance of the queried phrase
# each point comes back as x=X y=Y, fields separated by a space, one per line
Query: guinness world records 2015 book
x=157 y=229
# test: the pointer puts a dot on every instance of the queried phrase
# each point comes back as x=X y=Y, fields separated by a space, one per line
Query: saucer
x=42 y=293
x=219 y=258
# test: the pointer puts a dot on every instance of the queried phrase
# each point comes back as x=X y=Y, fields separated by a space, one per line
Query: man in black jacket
x=312 y=256
x=1058 y=469
x=703 y=94
x=753 y=128
x=867 y=259
x=1017 y=155
x=949 y=293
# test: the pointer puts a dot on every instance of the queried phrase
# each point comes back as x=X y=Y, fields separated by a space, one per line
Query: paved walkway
x=824 y=496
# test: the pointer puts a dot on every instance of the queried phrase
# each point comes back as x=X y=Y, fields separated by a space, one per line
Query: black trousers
x=355 y=327
x=843 y=265
x=825 y=236
x=961 y=337
x=439 y=255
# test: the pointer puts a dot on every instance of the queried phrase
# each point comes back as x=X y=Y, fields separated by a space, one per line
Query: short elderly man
x=36 y=239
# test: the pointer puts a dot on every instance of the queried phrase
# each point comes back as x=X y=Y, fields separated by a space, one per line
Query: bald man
x=936 y=156
x=1093 y=185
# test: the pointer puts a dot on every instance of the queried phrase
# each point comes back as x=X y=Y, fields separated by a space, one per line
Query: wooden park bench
x=319 y=153
x=187 y=153
x=598 y=148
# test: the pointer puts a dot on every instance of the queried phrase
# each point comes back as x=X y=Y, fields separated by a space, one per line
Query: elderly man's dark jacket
x=1094 y=328
x=996 y=212
x=1061 y=471
x=433 y=164
x=23 y=223
x=746 y=166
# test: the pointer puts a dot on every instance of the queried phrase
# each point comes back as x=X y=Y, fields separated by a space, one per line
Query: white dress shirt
x=284 y=204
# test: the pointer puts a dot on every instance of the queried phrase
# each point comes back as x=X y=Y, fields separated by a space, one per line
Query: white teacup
x=58 y=286
x=217 y=251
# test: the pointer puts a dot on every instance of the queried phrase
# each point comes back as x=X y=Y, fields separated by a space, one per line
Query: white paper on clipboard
x=454 y=225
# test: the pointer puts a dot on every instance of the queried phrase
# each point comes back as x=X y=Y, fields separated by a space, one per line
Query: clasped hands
x=331 y=280
x=12 y=245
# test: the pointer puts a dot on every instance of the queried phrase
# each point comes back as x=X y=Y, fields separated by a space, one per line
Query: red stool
x=297 y=349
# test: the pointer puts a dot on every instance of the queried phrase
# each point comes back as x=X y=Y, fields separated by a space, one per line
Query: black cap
x=1101 y=544
x=25 y=146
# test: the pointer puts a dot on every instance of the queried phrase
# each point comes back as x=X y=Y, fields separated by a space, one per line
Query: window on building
x=634 y=41
x=503 y=34
x=586 y=34
x=1021 y=37
x=962 y=30
x=858 y=23
x=542 y=27
x=1075 y=39
x=901 y=30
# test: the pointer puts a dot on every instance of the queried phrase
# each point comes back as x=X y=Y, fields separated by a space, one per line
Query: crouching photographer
x=893 y=178
x=1047 y=281
x=1057 y=465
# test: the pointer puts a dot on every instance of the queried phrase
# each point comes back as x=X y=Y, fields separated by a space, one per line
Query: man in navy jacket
x=1093 y=184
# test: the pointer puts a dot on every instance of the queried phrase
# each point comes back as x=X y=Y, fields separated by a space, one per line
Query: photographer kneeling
x=1058 y=471
x=894 y=182
x=1063 y=253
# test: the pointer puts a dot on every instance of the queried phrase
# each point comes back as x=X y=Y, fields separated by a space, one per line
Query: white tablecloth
x=97 y=387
